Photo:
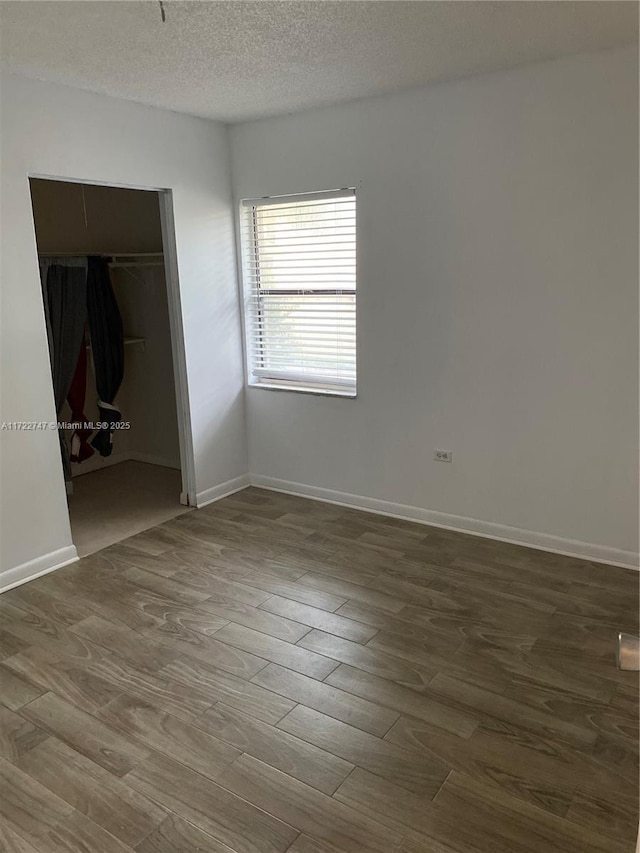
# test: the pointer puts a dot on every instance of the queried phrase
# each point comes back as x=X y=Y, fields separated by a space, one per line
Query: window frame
x=249 y=253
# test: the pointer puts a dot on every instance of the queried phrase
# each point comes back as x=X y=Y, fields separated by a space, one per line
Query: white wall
x=61 y=132
x=497 y=302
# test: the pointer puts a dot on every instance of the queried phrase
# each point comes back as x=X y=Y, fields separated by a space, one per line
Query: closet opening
x=110 y=295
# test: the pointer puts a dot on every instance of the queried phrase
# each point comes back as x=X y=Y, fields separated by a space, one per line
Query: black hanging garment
x=64 y=285
x=107 y=346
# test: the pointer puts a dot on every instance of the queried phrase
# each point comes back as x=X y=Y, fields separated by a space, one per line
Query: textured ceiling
x=240 y=60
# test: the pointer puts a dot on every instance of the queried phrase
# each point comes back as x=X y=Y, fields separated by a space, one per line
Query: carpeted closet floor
x=114 y=503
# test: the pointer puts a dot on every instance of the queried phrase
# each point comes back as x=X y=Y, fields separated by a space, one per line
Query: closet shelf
x=116 y=259
x=128 y=341
x=140 y=259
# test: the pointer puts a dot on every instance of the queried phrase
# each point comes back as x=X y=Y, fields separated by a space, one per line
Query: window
x=299 y=255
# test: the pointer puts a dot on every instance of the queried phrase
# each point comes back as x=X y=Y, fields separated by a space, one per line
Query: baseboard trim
x=99 y=463
x=216 y=493
x=459 y=523
x=36 y=568
x=47 y=563
x=149 y=459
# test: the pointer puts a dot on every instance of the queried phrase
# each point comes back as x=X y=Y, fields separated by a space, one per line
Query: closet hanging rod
x=117 y=264
x=101 y=254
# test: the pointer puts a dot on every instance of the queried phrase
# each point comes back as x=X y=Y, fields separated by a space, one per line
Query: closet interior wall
x=147 y=392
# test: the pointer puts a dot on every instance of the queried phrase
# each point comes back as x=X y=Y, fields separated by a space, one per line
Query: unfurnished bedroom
x=319 y=426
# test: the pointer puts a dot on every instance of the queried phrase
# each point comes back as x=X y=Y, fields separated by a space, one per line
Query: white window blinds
x=299 y=256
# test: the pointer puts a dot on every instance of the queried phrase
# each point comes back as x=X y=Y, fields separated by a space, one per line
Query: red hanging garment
x=80 y=448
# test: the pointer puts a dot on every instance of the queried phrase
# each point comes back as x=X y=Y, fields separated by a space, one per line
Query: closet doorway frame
x=187 y=495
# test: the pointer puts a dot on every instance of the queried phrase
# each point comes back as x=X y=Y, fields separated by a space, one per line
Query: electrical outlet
x=442 y=455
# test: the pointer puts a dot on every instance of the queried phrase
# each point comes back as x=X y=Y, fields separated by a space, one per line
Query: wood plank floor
x=274 y=674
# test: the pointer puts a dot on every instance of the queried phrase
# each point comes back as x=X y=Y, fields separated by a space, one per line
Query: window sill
x=349 y=393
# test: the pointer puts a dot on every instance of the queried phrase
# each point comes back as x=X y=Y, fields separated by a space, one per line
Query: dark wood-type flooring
x=274 y=674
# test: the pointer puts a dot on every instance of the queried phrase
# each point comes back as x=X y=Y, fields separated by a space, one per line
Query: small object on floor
x=628 y=652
